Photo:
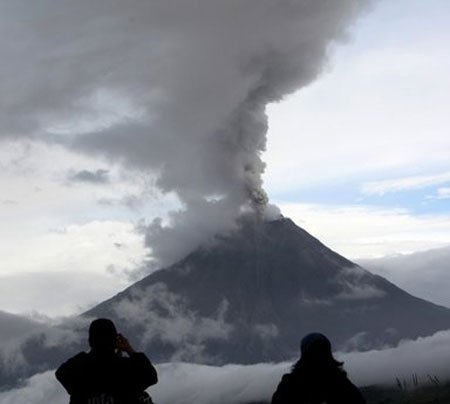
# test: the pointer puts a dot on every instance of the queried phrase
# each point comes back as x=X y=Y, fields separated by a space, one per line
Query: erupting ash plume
x=175 y=87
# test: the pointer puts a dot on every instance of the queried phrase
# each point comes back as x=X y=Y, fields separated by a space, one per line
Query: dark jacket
x=317 y=387
x=91 y=378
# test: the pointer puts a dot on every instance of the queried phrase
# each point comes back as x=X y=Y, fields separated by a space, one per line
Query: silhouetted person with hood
x=317 y=377
x=103 y=375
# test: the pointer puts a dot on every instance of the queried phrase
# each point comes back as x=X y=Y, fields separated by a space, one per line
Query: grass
x=409 y=392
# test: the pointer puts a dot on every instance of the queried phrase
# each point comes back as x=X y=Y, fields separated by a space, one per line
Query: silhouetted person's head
x=315 y=347
x=316 y=356
x=316 y=377
x=102 y=335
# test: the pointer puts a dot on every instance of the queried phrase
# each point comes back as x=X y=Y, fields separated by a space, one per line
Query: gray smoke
x=174 y=87
x=99 y=176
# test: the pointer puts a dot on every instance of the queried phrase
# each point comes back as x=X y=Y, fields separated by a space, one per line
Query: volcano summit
x=252 y=295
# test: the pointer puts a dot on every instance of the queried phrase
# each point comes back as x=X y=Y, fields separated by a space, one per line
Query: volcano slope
x=253 y=294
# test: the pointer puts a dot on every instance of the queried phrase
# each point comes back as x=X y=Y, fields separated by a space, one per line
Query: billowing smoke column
x=176 y=87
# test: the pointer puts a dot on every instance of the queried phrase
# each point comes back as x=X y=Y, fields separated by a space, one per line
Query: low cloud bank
x=208 y=384
x=425 y=274
x=39 y=389
x=37 y=347
x=172 y=323
x=428 y=355
x=185 y=383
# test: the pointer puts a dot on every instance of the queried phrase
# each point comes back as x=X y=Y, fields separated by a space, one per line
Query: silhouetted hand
x=123 y=345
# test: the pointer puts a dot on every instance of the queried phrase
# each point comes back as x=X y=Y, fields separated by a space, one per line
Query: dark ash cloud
x=100 y=176
x=176 y=87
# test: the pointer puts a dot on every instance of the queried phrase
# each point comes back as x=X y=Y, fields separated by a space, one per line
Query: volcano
x=253 y=294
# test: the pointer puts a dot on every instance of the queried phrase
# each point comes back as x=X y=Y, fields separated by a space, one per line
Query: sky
x=373 y=137
x=359 y=157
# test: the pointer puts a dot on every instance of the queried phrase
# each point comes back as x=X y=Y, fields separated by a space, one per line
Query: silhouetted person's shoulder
x=87 y=372
x=68 y=373
x=301 y=389
x=286 y=390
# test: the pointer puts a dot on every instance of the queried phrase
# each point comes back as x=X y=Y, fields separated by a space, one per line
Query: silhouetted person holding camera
x=317 y=377
x=103 y=375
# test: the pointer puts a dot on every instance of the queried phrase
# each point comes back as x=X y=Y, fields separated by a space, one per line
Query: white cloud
x=92 y=246
x=404 y=184
x=93 y=258
x=226 y=384
x=34 y=176
x=443 y=193
x=425 y=274
x=165 y=318
x=39 y=389
x=370 y=231
x=356 y=284
x=423 y=356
